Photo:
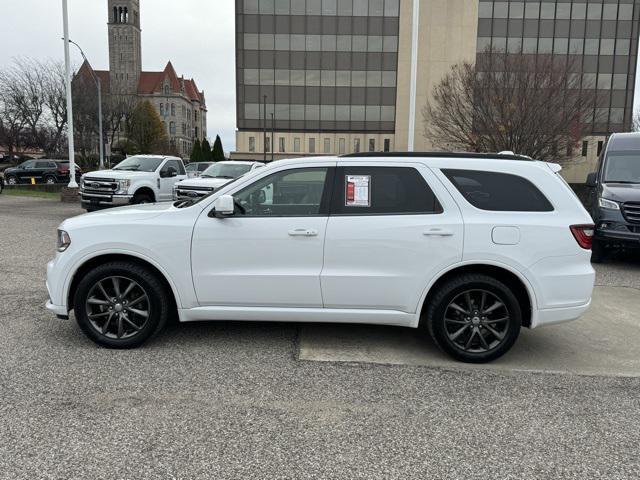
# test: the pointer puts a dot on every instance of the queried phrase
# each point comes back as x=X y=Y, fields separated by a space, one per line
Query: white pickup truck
x=213 y=178
x=138 y=179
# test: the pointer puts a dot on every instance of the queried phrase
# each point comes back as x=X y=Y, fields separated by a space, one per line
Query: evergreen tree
x=146 y=130
x=196 y=153
x=206 y=151
x=218 y=151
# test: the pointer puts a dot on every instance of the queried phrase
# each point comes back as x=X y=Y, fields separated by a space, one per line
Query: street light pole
x=99 y=86
x=414 y=75
x=67 y=64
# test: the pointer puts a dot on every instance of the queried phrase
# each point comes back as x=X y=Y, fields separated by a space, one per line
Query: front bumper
x=100 y=200
x=613 y=228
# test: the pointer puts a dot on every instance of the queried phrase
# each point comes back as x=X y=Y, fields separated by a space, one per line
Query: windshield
x=226 y=170
x=622 y=167
x=139 y=164
x=192 y=167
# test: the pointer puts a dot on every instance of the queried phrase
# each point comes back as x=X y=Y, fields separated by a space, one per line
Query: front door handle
x=438 y=232
x=303 y=232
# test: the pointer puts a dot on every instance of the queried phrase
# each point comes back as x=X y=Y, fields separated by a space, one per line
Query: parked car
x=42 y=171
x=136 y=180
x=212 y=178
x=1 y=182
x=469 y=247
x=195 y=169
x=614 y=197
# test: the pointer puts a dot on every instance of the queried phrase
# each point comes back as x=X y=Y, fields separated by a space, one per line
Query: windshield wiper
x=207 y=176
x=129 y=169
x=623 y=181
x=224 y=176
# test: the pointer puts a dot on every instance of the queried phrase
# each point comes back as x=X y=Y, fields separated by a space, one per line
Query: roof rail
x=491 y=156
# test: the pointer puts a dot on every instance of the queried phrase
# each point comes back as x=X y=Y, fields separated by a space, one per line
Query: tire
x=141 y=198
x=597 y=252
x=103 y=320
x=50 y=180
x=12 y=180
x=466 y=336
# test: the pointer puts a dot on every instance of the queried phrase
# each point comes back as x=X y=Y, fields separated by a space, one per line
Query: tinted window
x=43 y=165
x=291 y=193
x=175 y=164
x=498 y=191
x=382 y=191
x=29 y=164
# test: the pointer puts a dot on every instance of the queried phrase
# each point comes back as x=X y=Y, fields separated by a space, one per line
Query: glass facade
x=323 y=65
x=598 y=39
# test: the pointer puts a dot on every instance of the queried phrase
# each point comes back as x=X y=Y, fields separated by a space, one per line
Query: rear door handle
x=438 y=232
x=303 y=232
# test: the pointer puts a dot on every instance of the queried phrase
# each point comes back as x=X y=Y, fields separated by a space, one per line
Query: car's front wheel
x=121 y=304
x=474 y=318
x=12 y=180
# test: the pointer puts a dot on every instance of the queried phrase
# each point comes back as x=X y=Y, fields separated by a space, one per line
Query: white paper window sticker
x=357 y=191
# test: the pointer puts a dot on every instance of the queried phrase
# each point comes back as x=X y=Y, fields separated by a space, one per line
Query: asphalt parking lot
x=232 y=400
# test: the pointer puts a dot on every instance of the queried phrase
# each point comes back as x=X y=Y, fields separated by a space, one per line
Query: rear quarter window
x=500 y=192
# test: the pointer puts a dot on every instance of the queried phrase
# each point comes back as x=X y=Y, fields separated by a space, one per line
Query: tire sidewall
x=10 y=178
x=451 y=291
x=157 y=305
x=141 y=199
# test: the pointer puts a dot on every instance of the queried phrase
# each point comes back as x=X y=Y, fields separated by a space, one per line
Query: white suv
x=471 y=247
x=138 y=179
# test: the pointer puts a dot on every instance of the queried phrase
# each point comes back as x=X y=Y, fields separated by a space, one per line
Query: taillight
x=583 y=235
x=63 y=171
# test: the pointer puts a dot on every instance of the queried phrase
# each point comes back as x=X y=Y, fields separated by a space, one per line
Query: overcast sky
x=196 y=35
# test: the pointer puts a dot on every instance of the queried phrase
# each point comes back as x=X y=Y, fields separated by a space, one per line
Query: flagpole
x=67 y=65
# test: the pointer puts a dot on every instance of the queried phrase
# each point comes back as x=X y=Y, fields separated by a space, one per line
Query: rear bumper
x=553 y=316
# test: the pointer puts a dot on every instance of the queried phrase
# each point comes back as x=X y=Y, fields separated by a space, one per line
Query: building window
x=197 y=133
x=281 y=144
x=267 y=144
x=162 y=109
x=195 y=115
x=585 y=148
x=252 y=144
x=166 y=90
x=173 y=109
x=184 y=111
x=172 y=128
x=312 y=145
x=296 y=144
x=327 y=145
x=372 y=144
x=356 y=145
x=342 y=146
x=387 y=145
x=600 y=146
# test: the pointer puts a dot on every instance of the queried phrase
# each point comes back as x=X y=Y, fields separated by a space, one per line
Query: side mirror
x=592 y=180
x=223 y=206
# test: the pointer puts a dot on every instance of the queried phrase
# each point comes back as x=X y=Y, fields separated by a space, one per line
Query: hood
x=114 y=174
x=203 y=182
x=621 y=192
x=119 y=216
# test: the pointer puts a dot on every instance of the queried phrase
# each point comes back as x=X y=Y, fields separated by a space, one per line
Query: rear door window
x=382 y=191
x=497 y=191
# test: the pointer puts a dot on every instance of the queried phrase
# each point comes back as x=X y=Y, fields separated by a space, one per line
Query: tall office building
x=336 y=74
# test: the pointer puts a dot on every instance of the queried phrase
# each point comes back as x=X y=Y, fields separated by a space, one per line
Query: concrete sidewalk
x=606 y=341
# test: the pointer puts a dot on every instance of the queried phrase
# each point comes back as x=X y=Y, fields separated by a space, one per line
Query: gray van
x=614 y=196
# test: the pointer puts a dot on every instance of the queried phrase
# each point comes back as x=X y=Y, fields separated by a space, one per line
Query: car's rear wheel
x=474 y=318
x=50 y=180
x=121 y=305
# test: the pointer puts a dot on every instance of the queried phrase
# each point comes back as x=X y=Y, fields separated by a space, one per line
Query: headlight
x=608 y=204
x=123 y=186
x=64 y=240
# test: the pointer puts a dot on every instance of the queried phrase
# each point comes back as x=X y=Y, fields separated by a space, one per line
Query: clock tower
x=125 y=57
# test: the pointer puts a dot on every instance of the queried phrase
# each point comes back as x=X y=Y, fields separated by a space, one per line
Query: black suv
x=614 y=197
x=42 y=171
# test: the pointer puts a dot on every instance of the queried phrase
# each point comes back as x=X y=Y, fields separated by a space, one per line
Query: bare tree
x=635 y=126
x=32 y=105
x=530 y=105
